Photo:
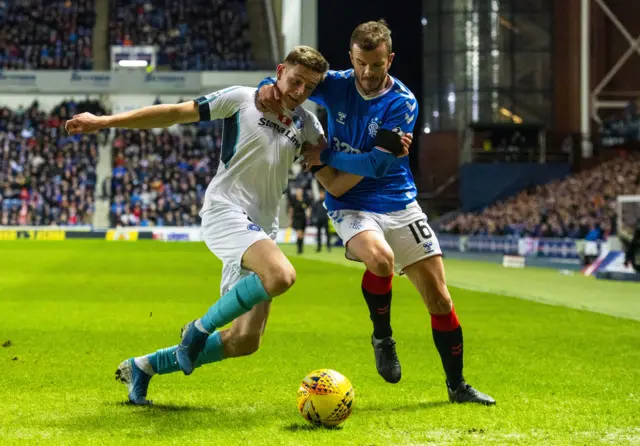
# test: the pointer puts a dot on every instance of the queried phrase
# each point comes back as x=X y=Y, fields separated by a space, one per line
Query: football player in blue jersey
x=380 y=221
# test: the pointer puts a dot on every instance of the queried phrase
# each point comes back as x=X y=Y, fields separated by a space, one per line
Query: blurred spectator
x=299 y=213
x=582 y=206
x=46 y=34
x=46 y=177
x=320 y=219
x=191 y=35
x=624 y=128
x=159 y=178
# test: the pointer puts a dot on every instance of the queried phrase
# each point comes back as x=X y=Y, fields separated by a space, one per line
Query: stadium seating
x=160 y=177
x=51 y=34
x=57 y=34
x=622 y=128
x=46 y=177
x=580 y=206
x=192 y=35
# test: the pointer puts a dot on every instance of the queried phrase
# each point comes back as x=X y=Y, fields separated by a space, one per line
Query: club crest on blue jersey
x=373 y=127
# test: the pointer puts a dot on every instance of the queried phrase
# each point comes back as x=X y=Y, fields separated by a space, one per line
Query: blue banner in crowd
x=558 y=248
x=527 y=246
x=504 y=245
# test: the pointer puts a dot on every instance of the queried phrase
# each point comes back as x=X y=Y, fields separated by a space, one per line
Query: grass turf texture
x=73 y=310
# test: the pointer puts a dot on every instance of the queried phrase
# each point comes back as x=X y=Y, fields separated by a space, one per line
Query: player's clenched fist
x=406 y=141
x=84 y=123
x=269 y=99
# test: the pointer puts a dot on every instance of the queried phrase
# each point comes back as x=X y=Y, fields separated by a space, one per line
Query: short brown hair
x=308 y=57
x=368 y=36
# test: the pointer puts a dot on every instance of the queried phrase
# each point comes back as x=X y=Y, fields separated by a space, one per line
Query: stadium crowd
x=623 y=128
x=160 y=177
x=193 y=35
x=46 y=34
x=46 y=177
x=582 y=206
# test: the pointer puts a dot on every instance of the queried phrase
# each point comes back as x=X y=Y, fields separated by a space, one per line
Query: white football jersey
x=258 y=150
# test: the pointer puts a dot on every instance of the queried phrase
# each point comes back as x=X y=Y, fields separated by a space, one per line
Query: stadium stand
x=622 y=128
x=193 y=35
x=582 y=206
x=160 y=178
x=46 y=177
x=46 y=34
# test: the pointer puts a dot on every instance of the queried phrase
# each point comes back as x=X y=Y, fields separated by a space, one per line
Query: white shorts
x=228 y=233
x=406 y=231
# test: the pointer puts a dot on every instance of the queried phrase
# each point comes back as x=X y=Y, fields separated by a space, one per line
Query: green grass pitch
x=73 y=310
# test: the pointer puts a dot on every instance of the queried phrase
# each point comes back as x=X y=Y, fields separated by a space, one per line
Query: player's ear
x=390 y=58
x=279 y=71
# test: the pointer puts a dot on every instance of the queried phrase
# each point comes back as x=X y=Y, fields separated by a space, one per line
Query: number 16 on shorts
x=423 y=235
x=421 y=231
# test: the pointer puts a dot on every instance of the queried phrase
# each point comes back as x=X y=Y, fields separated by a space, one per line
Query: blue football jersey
x=353 y=121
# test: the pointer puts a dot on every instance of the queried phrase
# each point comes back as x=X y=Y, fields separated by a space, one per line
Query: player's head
x=299 y=74
x=371 y=55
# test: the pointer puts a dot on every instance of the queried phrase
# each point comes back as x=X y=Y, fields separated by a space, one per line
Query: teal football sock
x=213 y=350
x=164 y=360
x=248 y=292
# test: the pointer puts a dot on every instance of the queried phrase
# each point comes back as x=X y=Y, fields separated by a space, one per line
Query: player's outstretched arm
x=154 y=116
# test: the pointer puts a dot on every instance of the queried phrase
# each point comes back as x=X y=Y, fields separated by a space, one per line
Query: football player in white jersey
x=239 y=215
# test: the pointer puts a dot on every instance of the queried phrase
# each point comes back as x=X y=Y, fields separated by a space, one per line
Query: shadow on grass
x=301 y=427
x=421 y=405
x=169 y=420
x=183 y=408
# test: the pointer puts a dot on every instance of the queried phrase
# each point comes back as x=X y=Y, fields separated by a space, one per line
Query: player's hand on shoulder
x=84 y=123
x=269 y=99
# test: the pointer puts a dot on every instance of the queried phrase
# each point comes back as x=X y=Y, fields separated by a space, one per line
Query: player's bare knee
x=247 y=344
x=442 y=303
x=279 y=279
x=381 y=263
x=438 y=299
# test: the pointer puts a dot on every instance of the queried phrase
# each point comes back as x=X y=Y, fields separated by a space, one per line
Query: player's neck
x=383 y=86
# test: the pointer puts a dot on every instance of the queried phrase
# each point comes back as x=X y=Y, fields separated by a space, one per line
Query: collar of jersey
x=377 y=95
